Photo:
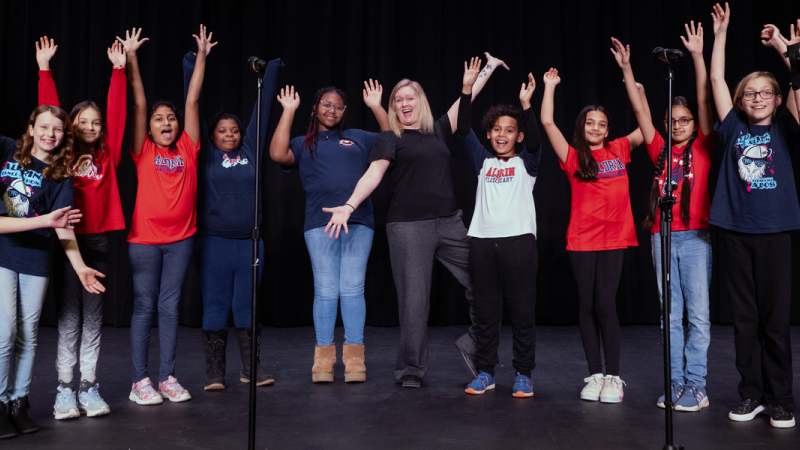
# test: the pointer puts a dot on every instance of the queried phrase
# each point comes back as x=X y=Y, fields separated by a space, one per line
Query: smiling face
x=406 y=106
x=328 y=117
x=87 y=126
x=595 y=129
x=504 y=136
x=163 y=126
x=759 y=111
x=227 y=136
x=47 y=133
x=681 y=132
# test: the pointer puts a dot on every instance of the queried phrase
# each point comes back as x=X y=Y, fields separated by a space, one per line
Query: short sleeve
x=65 y=196
x=186 y=142
x=622 y=148
x=364 y=139
x=570 y=165
x=385 y=146
x=789 y=127
x=655 y=146
x=296 y=147
x=727 y=127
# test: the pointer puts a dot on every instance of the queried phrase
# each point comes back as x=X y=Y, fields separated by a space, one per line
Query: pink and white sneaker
x=143 y=393
x=173 y=391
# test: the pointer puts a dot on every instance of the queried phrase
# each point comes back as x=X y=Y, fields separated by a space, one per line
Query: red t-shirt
x=600 y=216
x=700 y=157
x=165 y=201
x=95 y=179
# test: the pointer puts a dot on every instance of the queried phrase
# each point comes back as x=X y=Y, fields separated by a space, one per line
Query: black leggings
x=597 y=275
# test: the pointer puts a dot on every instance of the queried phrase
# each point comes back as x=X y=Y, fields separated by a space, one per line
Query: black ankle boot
x=7 y=430
x=18 y=416
x=262 y=377
x=214 y=343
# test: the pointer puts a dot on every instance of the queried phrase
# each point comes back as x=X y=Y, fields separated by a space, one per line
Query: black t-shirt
x=421 y=173
x=27 y=193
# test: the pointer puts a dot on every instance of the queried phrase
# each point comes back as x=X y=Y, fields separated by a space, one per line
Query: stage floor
x=380 y=414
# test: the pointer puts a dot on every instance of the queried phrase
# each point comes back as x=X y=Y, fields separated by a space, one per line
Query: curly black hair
x=498 y=111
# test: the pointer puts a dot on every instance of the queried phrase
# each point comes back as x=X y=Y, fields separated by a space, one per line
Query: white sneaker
x=612 y=389
x=594 y=384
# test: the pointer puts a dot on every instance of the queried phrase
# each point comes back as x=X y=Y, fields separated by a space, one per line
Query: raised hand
x=471 y=72
x=794 y=35
x=372 y=94
x=63 y=218
x=338 y=220
x=722 y=18
x=526 y=92
x=131 y=43
x=694 y=38
x=621 y=52
x=289 y=99
x=117 y=56
x=88 y=278
x=551 y=78
x=204 y=44
x=771 y=37
x=45 y=50
x=493 y=63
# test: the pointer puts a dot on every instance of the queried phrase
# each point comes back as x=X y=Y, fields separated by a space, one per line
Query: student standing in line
x=164 y=219
x=600 y=229
x=690 y=251
x=98 y=151
x=331 y=159
x=503 y=258
x=34 y=181
x=755 y=205
x=226 y=174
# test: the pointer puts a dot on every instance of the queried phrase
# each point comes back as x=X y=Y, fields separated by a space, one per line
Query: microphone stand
x=256 y=236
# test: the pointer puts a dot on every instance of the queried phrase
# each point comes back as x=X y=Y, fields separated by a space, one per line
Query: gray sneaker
x=90 y=401
x=65 y=407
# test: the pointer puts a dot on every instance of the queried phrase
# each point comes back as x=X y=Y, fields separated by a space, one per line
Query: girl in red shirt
x=690 y=249
x=164 y=219
x=600 y=228
x=98 y=145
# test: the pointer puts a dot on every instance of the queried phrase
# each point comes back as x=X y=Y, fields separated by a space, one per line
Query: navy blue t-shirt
x=755 y=190
x=27 y=193
x=330 y=174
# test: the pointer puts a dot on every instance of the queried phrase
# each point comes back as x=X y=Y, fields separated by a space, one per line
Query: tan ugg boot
x=354 y=368
x=324 y=360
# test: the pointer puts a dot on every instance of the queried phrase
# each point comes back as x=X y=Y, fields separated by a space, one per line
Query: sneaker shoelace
x=65 y=397
x=93 y=395
x=594 y=380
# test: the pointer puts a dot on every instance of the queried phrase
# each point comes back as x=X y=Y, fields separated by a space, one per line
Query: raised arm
x=372 y=98
x=366 y=185
x=492 y=63
x=793 y=54
x=60 y=218
x=279 y=147
x=131 y=44
x=719 y=87
x=45 y=50
x=560 y=145
x=268 y=90
x=622 y=54
x=532 y=141
x=694 y=44
x=117 y=104
x=471 y=71
x=192 y=111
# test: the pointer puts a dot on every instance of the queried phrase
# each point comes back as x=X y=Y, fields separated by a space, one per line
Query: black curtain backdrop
x=343 y=43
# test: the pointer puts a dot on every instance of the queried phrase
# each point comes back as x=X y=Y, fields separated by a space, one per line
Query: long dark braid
x=310 y=141
x=587 y=165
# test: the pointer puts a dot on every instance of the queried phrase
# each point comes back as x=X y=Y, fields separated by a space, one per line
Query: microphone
x=256 y=64
x=667 y=55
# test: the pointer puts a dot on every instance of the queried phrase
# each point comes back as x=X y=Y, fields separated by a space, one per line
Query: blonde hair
x=425 y=120
x=739 y=93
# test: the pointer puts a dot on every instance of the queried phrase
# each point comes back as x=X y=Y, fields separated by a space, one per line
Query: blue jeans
x=158 y=272
x=226 y=277
x=339 y=267
x=21 y=300
x=691 y=275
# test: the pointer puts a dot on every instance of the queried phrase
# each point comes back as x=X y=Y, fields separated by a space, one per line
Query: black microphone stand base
x=673 y=447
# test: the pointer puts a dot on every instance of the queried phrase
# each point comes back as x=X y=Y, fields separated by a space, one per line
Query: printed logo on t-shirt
x=84 y=167
x=754 y=159
x=610 y=169
x=169 y=165
x=228 y=163
x=16 y=197
x=495 y=175
x=346 y=143
x=677 y=175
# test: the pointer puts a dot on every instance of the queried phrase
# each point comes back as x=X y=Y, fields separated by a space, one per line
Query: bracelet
x=351 y=206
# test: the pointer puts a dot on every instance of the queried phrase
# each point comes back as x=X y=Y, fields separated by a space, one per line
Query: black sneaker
x=746 y=410
x=7 y=430
x=411 y=381
x=781 y=417
x=18 y=416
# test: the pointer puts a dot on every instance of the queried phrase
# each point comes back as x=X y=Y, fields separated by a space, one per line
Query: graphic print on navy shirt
x=19 y=189
x=169 y=165
x=610 y=169
x=228 y=163
x=754 y=158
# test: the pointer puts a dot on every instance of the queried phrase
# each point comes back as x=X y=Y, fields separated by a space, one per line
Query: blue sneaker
x=90 y=401
x=523 y=387
x=65 y=407
x=694 y=398
x=480 y=384
x=677 y=391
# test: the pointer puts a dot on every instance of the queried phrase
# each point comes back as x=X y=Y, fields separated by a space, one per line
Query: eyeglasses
x=758 y=162
x=338 y=108
x=766 y=94
x=683 y=121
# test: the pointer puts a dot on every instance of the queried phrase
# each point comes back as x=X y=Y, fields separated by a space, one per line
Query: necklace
x=322 y=133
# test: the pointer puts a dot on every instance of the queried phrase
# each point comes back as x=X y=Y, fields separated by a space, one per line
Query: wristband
x=793 y=53
x=351 y=206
